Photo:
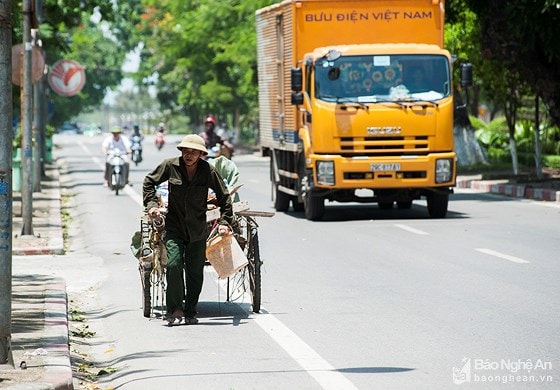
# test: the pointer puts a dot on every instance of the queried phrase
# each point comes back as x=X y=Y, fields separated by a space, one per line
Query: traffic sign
x=37 y=63
x=67 y=77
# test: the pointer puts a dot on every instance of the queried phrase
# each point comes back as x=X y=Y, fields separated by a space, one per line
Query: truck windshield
x=370 y=79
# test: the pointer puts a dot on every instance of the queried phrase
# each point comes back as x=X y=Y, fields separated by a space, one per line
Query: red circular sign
x=67 y=77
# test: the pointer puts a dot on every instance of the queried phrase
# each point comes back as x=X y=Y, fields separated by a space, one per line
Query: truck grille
x=384 y=145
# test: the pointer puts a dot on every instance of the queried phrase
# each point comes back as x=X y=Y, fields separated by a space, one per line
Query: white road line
x=411 y=229
x=325 y=374
x=502 y=255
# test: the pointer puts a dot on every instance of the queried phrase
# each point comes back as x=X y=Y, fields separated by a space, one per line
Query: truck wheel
x=281 y=199
x=314 y=207
x=437 y=204
x=385 y=205
x=404 y=204
x=297 y=205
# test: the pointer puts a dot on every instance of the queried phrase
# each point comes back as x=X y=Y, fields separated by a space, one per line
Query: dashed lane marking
x=411 y=229
x=502 y=255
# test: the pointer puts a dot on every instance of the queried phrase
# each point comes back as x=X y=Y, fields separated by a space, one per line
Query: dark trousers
x=126 y=170
x=185 y=271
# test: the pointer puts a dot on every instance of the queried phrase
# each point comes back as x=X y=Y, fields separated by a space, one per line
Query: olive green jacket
x=187 y=202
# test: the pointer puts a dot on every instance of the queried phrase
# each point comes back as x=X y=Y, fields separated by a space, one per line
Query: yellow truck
x=356 y=103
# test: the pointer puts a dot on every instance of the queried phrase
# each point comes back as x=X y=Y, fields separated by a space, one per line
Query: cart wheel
x=255 y=270
x=146 y=294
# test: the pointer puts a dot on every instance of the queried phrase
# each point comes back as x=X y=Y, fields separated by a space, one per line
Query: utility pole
x=6 y=213
x=27 y=122
x=38 y=126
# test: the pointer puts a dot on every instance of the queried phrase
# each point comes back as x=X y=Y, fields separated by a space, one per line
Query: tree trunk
x=513 y=152
x=6 y=137
x=468 y=149
x=538 y=165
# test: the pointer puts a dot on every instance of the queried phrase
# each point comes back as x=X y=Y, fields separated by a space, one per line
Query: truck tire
x=297 y=205
x=404 y=204
x=281 y=199
x=437 y=204
x=385 y=205
x=314 y=207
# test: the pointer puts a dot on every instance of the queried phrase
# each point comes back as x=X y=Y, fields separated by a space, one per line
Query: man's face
x=209 y=126
x=190 y=156
x=116 y=136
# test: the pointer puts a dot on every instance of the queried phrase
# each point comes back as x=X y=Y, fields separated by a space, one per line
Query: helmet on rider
x=210 y=119
x=116 y=130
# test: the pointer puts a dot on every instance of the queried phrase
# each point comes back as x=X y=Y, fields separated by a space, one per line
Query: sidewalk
x=40 y=341
x=39 y=302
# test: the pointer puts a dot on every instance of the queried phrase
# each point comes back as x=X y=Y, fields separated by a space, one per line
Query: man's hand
x=223 y=230
x=154 y=213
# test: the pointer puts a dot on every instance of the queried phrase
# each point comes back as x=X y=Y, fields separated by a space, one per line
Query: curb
x=58 y=368
x=57 y=363
x=513 y=190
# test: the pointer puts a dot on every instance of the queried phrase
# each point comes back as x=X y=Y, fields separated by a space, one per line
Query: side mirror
x=297 y=98
x=466 y=75
x=297 y=79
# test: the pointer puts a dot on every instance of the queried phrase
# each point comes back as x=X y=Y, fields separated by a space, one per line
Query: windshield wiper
x=346 y=103
x=421 y=102
x=357 y=105
x=384 y=101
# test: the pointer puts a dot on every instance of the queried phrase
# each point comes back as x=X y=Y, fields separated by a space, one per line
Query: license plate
x=385 y=167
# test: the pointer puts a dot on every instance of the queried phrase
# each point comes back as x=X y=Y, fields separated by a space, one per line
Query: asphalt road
x=367 y=298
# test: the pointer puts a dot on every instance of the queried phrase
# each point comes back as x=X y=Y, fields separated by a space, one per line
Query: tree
x=461 y=36
x=203 y=55
x=522 y=35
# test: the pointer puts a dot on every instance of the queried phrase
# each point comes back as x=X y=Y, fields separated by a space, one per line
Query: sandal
x=177 y=316
x=191 y=320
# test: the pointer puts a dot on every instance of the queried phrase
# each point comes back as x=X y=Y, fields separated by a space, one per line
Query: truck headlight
x=325 y=172
x=444 y=170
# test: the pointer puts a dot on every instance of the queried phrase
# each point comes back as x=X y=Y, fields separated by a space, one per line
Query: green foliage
x=492 y=134
x=79 y=30
x=203 y=55
x=462 y=35
x=521 y=38
x=102 y=58
x=552 y=161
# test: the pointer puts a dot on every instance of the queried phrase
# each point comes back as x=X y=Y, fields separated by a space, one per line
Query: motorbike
x=116 y=160
x=136 y=147
x=159 y=140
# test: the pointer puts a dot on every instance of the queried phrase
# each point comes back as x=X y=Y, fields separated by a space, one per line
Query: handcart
x=236 y=258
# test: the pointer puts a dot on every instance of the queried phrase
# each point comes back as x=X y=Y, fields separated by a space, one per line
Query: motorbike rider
x=160 y=131
x=211 y=138
x=119 y=142
x=137 y=138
